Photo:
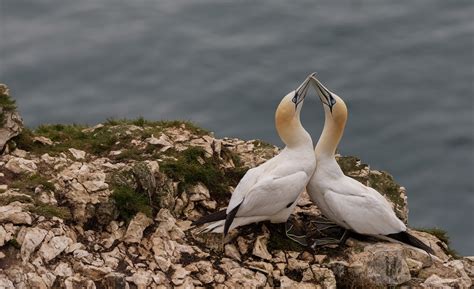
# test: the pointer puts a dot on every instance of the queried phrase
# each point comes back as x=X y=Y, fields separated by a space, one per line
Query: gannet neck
x=288 y=124
x=333 y=130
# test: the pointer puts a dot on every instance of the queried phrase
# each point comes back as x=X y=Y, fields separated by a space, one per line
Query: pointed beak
x=302 y=90
x=324 y=94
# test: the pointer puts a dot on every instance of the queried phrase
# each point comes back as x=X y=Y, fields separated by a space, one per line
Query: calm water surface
x=405 y=69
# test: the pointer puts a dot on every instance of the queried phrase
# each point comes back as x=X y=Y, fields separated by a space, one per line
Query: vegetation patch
x=50 y=211
x=442 y=235
x=28 y=183
x=129 y=202
x=6 y=103
x=191 y=166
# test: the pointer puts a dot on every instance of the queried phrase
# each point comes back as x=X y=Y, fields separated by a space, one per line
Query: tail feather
x=217 y=216
x=406 y=238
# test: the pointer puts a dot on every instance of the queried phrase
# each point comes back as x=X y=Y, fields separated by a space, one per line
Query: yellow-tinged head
x=334 y=107
x=287 y=116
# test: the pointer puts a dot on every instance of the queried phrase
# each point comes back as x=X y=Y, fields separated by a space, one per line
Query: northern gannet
x=271 y=190
x=344 y=200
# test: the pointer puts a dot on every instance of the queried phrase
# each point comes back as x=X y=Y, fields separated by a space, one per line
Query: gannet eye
x=295 y=98
x=332 y=101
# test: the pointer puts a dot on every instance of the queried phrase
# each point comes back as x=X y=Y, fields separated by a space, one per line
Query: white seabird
x=271 y=190
x=344 y=200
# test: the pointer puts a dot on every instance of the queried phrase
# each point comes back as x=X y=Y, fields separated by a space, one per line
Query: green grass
x=28 y=183
x=6 y=103
x=129 y=202
x=189 y=171
x=442 y=235
x=49 y=211
x=114 y=135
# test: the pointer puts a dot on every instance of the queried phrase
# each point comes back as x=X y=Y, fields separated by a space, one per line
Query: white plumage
x=342 y=199
x=271 y=190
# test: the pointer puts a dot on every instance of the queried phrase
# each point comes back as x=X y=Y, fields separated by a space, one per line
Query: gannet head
x=333 y=105
x=287 y=116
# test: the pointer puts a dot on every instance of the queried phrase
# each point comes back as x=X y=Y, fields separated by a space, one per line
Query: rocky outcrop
x=111 y=206
x=11 y=123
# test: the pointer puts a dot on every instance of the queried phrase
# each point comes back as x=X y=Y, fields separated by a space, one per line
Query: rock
x=434 y=281
x=199 y=192
x=21 y=166
x=141 y=278
x=179 y=274
x=33 y=237
x=232 y=252
x=54 y=247
x=11 y=123
x=42 y=140
x=163 y=263
x=205 y=274
x=14 y=213
x=136 y=227
x=382 y=264
x=298 y=265
x=324 y=276
x=5 y=282
x=63 y=269
x=260 y=247
x=77 y=154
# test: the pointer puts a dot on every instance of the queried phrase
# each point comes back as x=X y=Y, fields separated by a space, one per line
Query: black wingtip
x=230 y=218
x=409 y=239
x=217 y=216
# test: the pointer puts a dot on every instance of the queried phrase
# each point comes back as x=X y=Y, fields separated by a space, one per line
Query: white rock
x=63 y=269
x=232 y=252
x=163 y=263
x=21 y=165
x=3 y=188
x=33 y=237
x=434 y=281
x=324 y=276
x=136 y=227
x=43 y=140
x=179 y=274
x=260 y=248
x=54 y=247
x=141 y=278
x=199 y=192
x=77 y=154
x=13 y=213
x=5 y=282
x=3 y=236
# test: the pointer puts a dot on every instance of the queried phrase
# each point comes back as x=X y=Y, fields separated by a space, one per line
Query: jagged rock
x=43 y=140
x=33 y=237
x=434 y=281
x=136 y=227
x=54 y=247
x=141 y=278
x=260 y=247
x=63 y=269
x=179 y=274
x=5 y=282
x=13 y=213
x=232 y=252
x=382 y=264
x=21 y=166
x=11 y=124
x=77 y=154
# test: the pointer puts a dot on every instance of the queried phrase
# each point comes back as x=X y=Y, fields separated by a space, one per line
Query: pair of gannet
x=343 y=200
x=269 y=192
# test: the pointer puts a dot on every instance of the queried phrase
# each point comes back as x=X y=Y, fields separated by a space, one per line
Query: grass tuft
x=129 y=202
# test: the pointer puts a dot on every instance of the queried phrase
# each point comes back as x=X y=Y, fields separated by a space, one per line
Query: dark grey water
x=405 y=68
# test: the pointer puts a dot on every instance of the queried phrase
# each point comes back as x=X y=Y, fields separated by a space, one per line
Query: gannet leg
x=298 y=238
